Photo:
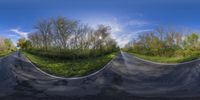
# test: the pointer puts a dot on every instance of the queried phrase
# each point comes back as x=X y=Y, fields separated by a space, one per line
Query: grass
x=70 y=68
x=159 y=59
x=2 y=54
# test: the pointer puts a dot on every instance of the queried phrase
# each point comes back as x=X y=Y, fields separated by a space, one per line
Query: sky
x=127 y=18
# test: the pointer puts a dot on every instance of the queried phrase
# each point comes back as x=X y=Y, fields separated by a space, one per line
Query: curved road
x=125 y=78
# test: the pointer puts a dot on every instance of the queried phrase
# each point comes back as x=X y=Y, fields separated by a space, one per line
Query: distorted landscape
x=99 y=50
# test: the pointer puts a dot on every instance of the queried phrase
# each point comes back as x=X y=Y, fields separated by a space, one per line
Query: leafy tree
x=2 y=45
x=6 y=46
x=191 y=40
x=165 y=43
x=24 y=44
x=66 y=37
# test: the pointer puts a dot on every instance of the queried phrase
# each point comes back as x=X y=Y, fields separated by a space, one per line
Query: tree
x=24 y=44
x=6 y=45
x=36 y=40
x=66 y=35
x=191 y=40
x=165 y=43
x=2 y=45
x=44 y=28
x=63 y=28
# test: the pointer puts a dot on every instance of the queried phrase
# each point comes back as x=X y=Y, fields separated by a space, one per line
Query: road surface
x=124 y=78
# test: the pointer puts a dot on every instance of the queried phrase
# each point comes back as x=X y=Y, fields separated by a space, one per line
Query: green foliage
x=68 y=39
x=171 y=45
x=66 y=47
x=72 y=54
x=70 y=68
x=178 y=59
x=191 y=41
x=24 y=44
x=6 y=46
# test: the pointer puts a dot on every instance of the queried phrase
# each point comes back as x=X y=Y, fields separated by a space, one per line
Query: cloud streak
x=21 y=33
x=137 y=23
x=123 y=39
x=122 y=30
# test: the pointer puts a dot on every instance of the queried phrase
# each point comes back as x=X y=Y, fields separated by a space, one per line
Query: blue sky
x=128 y=18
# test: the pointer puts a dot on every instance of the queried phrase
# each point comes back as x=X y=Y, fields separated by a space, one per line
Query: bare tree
x=44 y=28
x=63 y=28
x=69 y=35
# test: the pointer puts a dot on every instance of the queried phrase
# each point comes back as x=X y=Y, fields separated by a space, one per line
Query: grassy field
x=167 y=59
x=70 y=68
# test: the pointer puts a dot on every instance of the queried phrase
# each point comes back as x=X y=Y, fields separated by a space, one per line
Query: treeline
x=6 y=45
x=166 y=43
x=69 y=38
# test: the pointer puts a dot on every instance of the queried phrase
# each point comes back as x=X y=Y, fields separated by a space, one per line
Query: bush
x=70 y=54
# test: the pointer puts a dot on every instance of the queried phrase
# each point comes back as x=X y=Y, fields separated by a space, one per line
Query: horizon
x=126 y=18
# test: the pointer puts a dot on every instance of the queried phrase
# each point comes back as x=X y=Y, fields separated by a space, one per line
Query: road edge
x=72 y=78
x=158 y=63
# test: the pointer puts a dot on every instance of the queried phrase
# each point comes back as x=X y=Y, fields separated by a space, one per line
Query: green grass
x=159 y=59
x=2 y=54
x=70 y=68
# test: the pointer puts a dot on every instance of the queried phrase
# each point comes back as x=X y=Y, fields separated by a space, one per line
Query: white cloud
x=121 y=31
x=12 y=35
x=138 y=23
x=112 y=22
x=123 y=38
x=17 y=31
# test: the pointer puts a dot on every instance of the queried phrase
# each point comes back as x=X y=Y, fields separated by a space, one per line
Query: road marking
x=72 y=78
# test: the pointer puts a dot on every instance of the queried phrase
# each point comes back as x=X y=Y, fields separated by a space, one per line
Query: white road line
x=72 y=78
x=162 y=63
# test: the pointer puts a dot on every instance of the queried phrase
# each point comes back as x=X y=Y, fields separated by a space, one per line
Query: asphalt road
x=125 y=78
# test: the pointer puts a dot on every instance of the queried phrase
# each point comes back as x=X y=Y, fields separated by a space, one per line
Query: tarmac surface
x=125 y=78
